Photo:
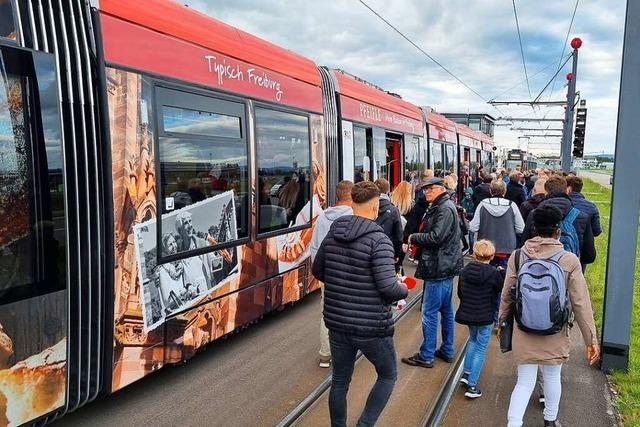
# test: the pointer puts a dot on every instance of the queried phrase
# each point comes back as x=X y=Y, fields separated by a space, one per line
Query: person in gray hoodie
x=323 y=224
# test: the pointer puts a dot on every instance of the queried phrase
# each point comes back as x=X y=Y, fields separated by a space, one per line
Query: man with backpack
x=576 y=233
x=544 y=284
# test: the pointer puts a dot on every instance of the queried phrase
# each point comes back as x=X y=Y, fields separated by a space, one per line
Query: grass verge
x=627 y=384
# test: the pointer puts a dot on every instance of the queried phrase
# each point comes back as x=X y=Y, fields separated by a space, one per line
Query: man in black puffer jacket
x=556 y=188
x=482 y=191
x=440 y=259
x=356 y=264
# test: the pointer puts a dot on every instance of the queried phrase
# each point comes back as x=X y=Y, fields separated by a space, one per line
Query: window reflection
x=451 y=158
x=32 y=217
x=206 y=123
x=284 y=175
x=359 y=154
x=437 y=158
x=413 y=166
x=7 y=23
x=199 y=165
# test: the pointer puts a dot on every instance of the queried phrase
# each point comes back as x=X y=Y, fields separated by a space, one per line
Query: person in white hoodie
x=498 y=220
x=323 y=224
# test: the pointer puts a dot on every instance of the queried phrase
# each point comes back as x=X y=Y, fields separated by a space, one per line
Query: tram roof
x=439 y=120
x=173 y=19
x=361 y=91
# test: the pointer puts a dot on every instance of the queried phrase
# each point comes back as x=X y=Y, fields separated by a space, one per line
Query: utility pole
x=623 y=224
x=568 y=114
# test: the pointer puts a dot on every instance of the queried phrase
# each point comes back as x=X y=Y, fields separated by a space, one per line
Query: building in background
x=480 y=122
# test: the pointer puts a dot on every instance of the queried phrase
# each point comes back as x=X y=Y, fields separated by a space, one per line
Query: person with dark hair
x=389 y=217
x=577 y=233
x=323 y=224
x=515 y=192
x=356 y=263
x=549 y=351
x=537 y=196
x=574 y=189
x=482 y=191
x=439 y=261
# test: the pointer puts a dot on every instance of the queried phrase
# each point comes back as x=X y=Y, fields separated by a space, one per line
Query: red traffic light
x=576 y=43
x=569 y=76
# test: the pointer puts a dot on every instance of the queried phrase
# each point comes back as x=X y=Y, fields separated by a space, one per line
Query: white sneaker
x=325 y=363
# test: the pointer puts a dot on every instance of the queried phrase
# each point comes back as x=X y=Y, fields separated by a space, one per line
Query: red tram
x=116 y=115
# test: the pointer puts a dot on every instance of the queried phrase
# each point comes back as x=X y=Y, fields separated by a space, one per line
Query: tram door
x=33 y=260
x=393 y=143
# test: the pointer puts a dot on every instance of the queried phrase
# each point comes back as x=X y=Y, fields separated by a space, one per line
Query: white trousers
x=524 y=388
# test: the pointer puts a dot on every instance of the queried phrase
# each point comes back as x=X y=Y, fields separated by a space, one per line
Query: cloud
x=477 y=41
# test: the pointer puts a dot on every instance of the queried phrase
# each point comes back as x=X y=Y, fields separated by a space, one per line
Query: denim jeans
x=479 y=337
x=382 y=354
x=437 y=299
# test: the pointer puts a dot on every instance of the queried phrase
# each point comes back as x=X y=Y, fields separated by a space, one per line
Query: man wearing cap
x=440 y=260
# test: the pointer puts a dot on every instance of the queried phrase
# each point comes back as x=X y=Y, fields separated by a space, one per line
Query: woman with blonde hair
x=402 y=198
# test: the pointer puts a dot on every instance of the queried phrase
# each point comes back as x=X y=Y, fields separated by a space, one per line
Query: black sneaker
x=440 y=355
x=464 y=379
x=473 y=393
x=555 y=423
x=416 y=360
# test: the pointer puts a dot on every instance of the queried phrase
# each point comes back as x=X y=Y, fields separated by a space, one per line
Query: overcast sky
x=476 y=40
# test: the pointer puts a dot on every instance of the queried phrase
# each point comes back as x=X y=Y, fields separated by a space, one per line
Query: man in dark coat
x=356 y=263
x=556 y=188
x=538 y=196
x=574 y=189
x=483 y=190
x=439 y=261
x=515 y=191
x=389 y=217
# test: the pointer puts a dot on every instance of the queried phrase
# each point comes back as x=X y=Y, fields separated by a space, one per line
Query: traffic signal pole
x=565 y=156
x=625 y=210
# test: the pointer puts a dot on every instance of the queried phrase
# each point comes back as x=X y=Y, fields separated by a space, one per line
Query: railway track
x=421 y=396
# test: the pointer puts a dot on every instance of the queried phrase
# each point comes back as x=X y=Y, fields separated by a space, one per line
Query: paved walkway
x=601 y=178
x=586 y=399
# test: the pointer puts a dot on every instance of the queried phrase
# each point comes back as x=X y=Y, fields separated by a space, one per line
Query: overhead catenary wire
x=458 y=79
x=564 y=46
x=524 y=64
x=549 y=65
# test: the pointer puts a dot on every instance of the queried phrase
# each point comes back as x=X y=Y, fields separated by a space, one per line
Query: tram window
x=7 y=23
x=32 y=216
x=437 y=158
x=203 y=175
x=412 y=165
x=205 y=123
x=284 y=174
x=360 y=173
x=451 y=158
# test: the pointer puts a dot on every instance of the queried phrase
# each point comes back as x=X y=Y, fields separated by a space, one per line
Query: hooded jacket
x=481 y=192
x=589 y=208
x=389 y=219
x=515 y=193
x=439 y=243
x=550 y=349
x=356 y=263
x=581 y=224
x=497 y=206
x=479 y=286
x=323 y=224
x=529 y=205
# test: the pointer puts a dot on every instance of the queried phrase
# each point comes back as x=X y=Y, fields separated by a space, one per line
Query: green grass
x=627 y=384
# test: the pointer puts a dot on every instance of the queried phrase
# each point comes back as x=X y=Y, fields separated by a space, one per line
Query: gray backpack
x=541 y=302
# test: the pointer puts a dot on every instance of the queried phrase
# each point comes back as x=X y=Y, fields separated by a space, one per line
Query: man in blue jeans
x=439 y=260
x=357 y=266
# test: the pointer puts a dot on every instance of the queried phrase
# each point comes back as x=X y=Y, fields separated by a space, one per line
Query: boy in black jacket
x=356 y=264
x=478 y=288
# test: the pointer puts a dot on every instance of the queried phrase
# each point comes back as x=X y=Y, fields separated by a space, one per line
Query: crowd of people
x=529 y=236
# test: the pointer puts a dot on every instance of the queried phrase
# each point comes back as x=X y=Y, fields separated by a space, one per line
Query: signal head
x=576 y=43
